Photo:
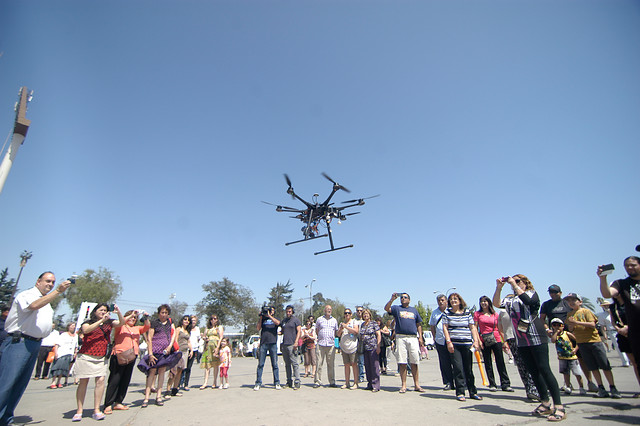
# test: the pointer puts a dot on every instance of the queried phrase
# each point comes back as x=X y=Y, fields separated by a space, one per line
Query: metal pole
x=20 y=128
x=25 y=256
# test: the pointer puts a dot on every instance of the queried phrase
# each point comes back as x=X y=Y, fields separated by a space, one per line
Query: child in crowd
x=583 y=323
x=568 y=360
x=225 y=363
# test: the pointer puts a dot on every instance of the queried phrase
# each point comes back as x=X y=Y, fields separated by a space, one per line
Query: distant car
x=253 y=343
x=428 y=340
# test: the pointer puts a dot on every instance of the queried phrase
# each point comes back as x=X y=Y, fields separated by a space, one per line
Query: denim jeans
x=291 y=363
x=16 y=365
x=272 y=348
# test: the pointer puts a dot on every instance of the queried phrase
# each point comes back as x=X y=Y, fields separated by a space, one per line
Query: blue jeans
x=16 y=365
x=272 y=348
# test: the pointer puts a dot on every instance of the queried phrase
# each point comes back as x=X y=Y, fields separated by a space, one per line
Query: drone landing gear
x=334 y=249
x=306 y=239
x=331 y=242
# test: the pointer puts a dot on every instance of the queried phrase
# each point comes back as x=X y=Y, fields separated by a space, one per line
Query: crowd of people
x=513 y=322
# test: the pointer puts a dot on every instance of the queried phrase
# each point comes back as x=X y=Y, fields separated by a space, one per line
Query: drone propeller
x=351 y=214
x=360 y=199
x=335 y=183
x=286 y=177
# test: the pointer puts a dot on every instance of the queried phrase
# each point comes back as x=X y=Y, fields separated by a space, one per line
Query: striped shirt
x=458 y=324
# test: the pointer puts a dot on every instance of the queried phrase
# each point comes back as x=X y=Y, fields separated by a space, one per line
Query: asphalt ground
x=240 y=404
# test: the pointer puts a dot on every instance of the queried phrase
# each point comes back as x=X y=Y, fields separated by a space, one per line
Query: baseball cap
x=555 y=287
x=573 y=296
x=556 y=321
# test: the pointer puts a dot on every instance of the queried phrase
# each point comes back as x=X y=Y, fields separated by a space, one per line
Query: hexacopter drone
x=316 y=214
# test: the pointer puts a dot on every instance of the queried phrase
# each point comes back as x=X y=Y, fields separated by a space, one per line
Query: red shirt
x=95 y=343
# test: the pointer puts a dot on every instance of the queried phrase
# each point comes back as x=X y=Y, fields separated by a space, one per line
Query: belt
x=26 y=336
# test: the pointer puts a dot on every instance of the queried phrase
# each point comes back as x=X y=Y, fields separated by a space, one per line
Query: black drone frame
x=322 y=212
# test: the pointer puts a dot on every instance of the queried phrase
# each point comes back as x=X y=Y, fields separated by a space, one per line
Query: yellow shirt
x=584 y=334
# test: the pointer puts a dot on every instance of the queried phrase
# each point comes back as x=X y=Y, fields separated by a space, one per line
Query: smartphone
x=606 y=269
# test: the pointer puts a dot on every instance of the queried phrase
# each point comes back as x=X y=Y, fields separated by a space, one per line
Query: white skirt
x=87 y=366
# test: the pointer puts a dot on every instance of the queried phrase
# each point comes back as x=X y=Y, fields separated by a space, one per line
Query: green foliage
x=232 y=303
x=101 y=286
x=280 y=295
x=425 y=313
x=7 y=287
x=587 y=303
x=319 y=302
x=178 y=309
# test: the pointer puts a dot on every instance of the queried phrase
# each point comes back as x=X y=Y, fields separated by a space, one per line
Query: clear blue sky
x=502 y=135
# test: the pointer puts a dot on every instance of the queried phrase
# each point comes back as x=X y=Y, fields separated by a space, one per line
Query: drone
x=319 y=215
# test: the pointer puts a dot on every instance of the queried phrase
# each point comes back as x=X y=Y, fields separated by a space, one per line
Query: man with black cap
x=556 y=307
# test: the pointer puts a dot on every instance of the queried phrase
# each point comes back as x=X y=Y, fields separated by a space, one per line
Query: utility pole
x=20 y=128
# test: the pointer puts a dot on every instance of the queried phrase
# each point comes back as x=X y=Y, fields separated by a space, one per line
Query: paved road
x=308 y=406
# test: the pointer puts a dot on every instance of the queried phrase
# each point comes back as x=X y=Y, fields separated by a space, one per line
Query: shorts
x=407 y=349
x=350 y=358
x=594 y=356
x=570 y=365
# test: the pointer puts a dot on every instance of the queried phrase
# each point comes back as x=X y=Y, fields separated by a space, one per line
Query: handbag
x=109 y=344
x=489 y=339
x=51 y=356
x=126 y=357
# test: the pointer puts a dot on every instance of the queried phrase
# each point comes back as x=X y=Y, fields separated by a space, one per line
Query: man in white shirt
x=30 y=320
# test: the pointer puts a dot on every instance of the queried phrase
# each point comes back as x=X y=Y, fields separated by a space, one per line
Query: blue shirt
x=407 y=320
x=437 y=321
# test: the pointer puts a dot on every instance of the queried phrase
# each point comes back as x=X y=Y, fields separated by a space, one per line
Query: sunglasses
x=347 y=313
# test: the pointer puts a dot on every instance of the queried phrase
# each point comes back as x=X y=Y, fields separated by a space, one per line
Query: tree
x=279 y=296
x=7 y=287
x=177 y=311
x=101 y=286
x=587 y=303
x=425 y=313
x=232 y=303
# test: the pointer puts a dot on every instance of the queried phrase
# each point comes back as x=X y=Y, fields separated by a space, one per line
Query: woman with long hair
x=93 y=356
x=183 y=333
x=123 y=359
x=309 y=340
x=213 y=335
x=487 y=321
x=370 y=334
x=460 y=335
x=159 y=357
x=385 y=333
x=532 y=342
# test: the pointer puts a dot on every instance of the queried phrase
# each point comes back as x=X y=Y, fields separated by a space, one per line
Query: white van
x=253 y=343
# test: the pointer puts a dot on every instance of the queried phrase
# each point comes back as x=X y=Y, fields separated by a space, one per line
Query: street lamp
x=446 y=293
x=310 y=285
x=25 y=256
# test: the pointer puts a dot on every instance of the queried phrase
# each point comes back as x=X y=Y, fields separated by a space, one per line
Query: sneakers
x=508 y=389
x=591 y=387
x=278 y=387
x=583 y=391
x=256 y=388
x=566 y=389
x=615 y=394
x=493 y=389
x=447 y=387
x=602 y=393
x=226 y=386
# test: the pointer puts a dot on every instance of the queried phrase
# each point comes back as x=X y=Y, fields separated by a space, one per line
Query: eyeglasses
x=358 y=310
x=404 y=297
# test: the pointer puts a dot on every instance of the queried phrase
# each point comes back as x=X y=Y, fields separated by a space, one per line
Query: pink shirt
x=487 y=324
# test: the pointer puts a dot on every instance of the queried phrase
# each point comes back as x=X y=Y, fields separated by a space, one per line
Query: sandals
x=203 y=387
x=108 y=410
x=542 y=410
x=77 y=417
x=461 y=398
x=418 y=389
x=159 y=402
x=476 y=397
x=558 y=415
x=145 y=403
x=403 y=390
